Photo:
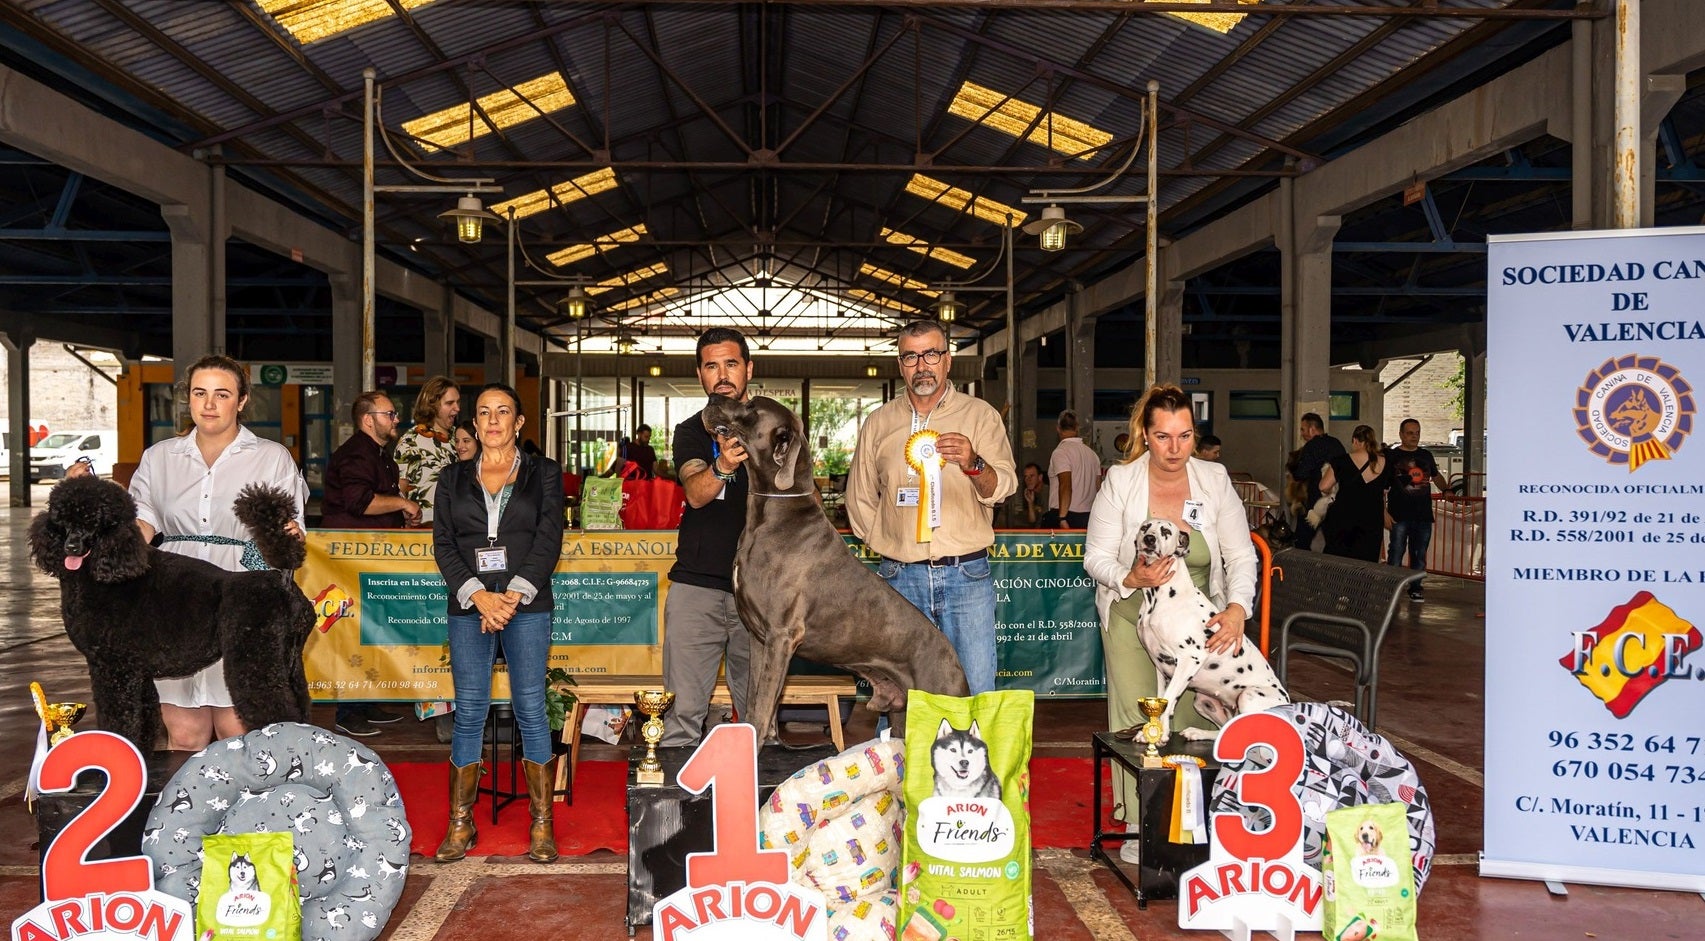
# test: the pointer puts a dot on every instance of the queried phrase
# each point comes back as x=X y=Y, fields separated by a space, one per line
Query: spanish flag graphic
x=331 y=605
x=1627 y=661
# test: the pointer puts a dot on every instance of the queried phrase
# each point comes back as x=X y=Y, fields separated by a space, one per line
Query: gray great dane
x=799 y=590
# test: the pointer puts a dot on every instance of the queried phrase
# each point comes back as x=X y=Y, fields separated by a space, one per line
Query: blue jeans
x=960 y=600
x=1416 y=536
x=526 y=648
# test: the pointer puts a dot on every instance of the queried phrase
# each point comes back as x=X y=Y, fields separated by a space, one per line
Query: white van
x=56 y=452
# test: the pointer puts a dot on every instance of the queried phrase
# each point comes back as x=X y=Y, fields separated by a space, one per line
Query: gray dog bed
x=333 y=795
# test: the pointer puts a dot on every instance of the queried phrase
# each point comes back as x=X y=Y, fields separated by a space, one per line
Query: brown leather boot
x=541 y=837
x=462 y=835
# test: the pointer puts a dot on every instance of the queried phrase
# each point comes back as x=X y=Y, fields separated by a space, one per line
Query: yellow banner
x=380 y=606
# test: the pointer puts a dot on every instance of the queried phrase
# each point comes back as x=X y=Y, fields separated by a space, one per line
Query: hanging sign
x=1595 y=592
x=107 y=899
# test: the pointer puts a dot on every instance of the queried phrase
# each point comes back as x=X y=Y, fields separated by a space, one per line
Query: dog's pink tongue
x=73 y=563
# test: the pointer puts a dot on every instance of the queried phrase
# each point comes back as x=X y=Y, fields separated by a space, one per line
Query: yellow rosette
x=923 y=457
x=1189 y=823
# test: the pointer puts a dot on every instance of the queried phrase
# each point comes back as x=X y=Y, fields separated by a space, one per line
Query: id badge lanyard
x=494 y=559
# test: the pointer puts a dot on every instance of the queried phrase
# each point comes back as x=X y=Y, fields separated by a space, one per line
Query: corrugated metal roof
x=1088 y=65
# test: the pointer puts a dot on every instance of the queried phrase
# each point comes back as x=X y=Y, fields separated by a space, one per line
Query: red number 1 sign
x=736 y=892
x=108 y=899
x=1256 y=879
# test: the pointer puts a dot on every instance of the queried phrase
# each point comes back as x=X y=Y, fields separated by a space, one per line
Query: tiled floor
x=1430 y=707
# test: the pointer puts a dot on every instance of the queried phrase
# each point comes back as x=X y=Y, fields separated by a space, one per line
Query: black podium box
x=54 y=811
x=665 y=823
x=1163 y=861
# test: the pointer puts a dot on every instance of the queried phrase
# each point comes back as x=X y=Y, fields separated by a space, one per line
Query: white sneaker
x=1130 y=851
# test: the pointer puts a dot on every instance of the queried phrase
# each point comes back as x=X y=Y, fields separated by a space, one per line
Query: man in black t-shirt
x=1410 y=499
x=701 y=627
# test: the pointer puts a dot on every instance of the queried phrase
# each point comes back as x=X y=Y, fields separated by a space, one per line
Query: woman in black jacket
x=497 y=533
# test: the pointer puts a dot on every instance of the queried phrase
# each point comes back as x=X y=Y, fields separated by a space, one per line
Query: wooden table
x=823 y=691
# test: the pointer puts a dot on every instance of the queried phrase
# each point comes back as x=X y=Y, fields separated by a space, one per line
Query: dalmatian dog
x=1173 y=628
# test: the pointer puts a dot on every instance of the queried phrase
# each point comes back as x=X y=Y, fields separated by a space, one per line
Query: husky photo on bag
x=967 y=851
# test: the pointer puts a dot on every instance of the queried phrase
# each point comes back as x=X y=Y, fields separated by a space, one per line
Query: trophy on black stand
x=652 y=702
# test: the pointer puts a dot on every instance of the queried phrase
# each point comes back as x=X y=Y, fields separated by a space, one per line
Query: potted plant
x=559 y=700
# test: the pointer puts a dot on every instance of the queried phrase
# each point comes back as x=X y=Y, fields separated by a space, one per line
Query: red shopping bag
x=652 y=504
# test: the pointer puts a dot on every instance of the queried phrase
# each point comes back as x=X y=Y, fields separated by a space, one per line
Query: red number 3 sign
x=1256 y=879
x=108 y=899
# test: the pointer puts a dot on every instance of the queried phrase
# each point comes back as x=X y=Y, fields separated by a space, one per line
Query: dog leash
x=252 y=559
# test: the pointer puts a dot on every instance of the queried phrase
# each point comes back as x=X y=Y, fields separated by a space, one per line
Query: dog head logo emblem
x=1631 y=652
x=331 y=605
x=1634 y=409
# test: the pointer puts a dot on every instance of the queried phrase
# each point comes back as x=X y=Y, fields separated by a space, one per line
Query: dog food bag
x=248 y=889
x=965 y=871
x=1368 y=874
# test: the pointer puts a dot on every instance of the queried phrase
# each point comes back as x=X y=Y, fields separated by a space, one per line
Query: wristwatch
x=976 y=467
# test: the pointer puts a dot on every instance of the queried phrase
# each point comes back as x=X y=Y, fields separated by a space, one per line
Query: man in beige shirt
x=947 y=577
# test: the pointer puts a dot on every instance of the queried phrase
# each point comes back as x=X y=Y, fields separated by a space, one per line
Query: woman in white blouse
x=184 y=489
x=1159 y=478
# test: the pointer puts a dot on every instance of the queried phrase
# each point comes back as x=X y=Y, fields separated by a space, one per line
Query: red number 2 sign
x=729 y=758
x=66 y=871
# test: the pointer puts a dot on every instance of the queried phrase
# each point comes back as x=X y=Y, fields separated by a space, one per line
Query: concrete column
x=1169 y=332
x=495 y=360
x=198 y=325
x=439 y=347
x=1080 y=361
x=1305 y=292
x=346 y=351
x=18 y=415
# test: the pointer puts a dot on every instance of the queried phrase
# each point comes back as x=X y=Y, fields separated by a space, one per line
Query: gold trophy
x=652 y=702
x=58 y=717
x=1152 y=732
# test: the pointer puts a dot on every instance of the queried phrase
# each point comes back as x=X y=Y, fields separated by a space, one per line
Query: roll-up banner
x=1595 y=548
x=380 y=607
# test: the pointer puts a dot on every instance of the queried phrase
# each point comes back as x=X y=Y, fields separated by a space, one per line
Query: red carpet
x=597 y=820
x=1060 y=809
x=1061 y=815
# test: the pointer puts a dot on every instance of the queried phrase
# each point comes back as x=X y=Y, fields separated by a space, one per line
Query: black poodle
x=137 y=613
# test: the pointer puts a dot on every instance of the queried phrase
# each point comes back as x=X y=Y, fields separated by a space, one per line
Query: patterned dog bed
x=333 y=795
x=1346 y=765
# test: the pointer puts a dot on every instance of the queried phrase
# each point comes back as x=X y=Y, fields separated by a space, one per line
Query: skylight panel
x=580 y=187
x=1016 y=117
x=1218 y=22
x=451 y=126
x=928 y=251
x=632 y=277
x=953 y=197
x=313 y=20
x=574 y=253
x=661 y=294
x=898 y=280
x=887 y=303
